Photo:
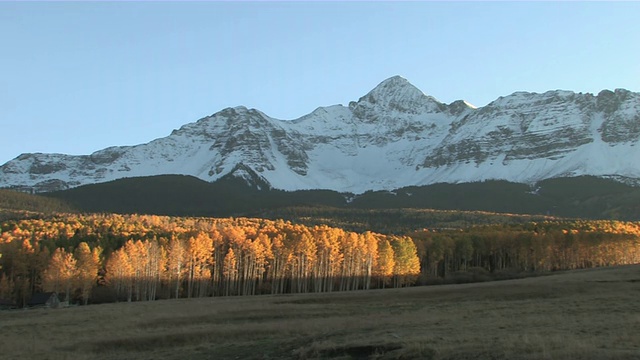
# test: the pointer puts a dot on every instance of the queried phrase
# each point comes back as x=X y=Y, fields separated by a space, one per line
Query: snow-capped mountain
x=392 y=137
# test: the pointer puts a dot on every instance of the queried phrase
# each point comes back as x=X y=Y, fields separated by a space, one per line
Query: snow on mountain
x=394 y=136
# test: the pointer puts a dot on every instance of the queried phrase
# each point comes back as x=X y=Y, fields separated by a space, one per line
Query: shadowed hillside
x=579 y=197
x=16 y=205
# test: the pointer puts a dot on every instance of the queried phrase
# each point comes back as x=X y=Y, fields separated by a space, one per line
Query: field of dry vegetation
x=585 y=314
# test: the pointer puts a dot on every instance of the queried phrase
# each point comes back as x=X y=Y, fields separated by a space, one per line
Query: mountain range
x=393 y=137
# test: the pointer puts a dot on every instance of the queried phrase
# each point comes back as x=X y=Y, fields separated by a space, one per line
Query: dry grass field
x=588 y=314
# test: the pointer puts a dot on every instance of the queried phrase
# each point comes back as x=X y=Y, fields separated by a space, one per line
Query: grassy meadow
x=585 y=314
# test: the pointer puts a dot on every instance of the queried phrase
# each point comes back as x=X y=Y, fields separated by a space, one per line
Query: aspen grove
x=142 y=258
x=98 y=258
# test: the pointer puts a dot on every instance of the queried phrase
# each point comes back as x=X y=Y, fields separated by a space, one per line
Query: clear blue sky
x=80 y=76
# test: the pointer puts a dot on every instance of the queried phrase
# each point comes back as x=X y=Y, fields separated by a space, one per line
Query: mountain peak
x=395 y=87
x=458 y=106
x=397 y=93
x=396 y=79
x=394 y=136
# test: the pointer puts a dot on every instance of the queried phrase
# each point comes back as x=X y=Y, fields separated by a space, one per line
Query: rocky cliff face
x=394 y=136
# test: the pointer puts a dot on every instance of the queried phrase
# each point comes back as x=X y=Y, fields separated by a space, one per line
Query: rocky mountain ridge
x=392 y=137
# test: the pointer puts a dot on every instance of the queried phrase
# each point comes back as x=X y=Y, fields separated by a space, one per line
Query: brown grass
x=588 y=314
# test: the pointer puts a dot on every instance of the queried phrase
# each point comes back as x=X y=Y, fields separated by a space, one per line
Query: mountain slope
x=394 y=136
x=580 y=197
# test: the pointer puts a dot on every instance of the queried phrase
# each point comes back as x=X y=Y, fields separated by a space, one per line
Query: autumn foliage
x=150 y=257
x=533 y=247
x=141 y=258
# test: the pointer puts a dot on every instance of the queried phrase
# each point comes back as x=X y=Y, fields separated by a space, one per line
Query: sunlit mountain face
x=394 y=136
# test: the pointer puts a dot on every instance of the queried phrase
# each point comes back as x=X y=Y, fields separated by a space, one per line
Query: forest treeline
x=93 y=258
x=577 y=197
x=153 y=257
x=394 y=221
x=506 y=250
x=22 y=202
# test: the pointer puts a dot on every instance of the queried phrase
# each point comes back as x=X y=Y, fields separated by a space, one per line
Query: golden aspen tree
x=407 y=264
x=137 y=255
x=359 y=247
x=192 y=259
x=61 y=273
x=238 y=240
x=247 y=267
x=88 y=264
x=230 y=273
x=370 y=256
x=153 y=268
x=336 y=257
x=176 y=255
x=52 y=278
x=205 y=264
x=303 y=258
x=120 y=273
x=275 y=271
x=320 y=263
x=164 y=290
x=386 y=262
x=263 y=256
x=217 y=261
x=199 y=252
x=142 y=259
x=351 y=258
x=328 y=254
